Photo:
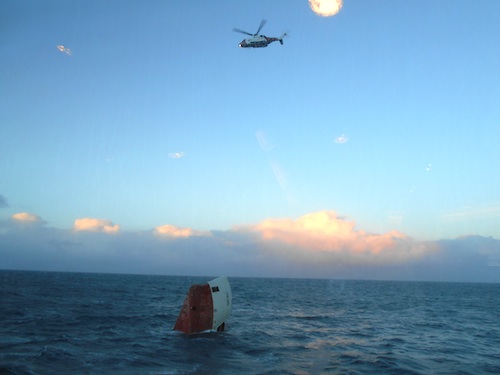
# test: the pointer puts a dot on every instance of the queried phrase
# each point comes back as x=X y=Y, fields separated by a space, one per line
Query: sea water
x=77 y=323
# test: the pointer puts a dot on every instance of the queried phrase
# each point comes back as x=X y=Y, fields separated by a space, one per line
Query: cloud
x=172 y=231
x=95 y=225
x=263 y=140
x=472 y=213
x=176 y=155
x=3 y=202
x=318 y=245
x=325 y=236
x=25 y=217
x=341 y=139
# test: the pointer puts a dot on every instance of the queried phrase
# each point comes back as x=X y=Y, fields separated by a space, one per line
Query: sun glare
x=325 y=8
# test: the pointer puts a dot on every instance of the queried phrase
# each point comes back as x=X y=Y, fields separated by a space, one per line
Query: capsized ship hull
x=206 y=307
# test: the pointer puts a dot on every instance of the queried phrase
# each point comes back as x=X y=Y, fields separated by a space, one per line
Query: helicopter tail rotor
x=281 y=38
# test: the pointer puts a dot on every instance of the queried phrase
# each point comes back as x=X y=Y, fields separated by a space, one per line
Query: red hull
x=197 y=312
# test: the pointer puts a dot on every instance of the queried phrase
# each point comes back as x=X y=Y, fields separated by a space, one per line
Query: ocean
x=80 y=323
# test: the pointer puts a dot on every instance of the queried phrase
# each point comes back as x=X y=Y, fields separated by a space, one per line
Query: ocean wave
x=120 y=324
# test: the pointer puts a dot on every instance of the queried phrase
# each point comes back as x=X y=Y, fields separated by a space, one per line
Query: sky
x=137 y=137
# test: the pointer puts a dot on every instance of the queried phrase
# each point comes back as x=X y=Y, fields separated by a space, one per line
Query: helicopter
x=258 y=41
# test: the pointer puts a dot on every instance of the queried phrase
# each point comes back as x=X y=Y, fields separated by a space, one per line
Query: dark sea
x=78 y=323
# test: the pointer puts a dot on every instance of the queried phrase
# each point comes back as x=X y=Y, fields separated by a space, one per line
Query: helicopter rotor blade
x=262 y=23
x=241 y=31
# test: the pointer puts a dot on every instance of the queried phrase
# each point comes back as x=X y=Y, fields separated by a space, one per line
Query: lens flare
x=326 y=8
x=341 y=139
x=63 y=49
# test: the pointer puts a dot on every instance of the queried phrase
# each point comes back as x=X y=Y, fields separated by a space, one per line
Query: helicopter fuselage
x=257 y=41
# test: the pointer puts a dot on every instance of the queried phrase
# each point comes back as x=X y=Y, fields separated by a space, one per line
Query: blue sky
x=380 y=123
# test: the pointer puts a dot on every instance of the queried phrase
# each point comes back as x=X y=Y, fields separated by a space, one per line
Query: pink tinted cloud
x=88 y=224
x=323 y=236
x=171 y=231
x=25 y=217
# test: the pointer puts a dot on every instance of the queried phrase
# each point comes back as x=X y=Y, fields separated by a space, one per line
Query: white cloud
x=172 y=231
x=176 y=155
x=95 y=225
x=25 y=217
x=473 y=213
x=341 y=139
x=325 y=236
x=321 y=244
